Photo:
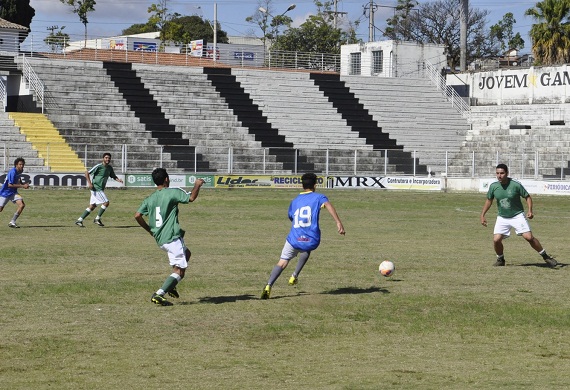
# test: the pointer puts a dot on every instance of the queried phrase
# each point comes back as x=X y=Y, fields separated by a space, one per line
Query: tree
x=181 y=29
x=57 y=40
x=551 y=35
x=17 y=11
x=139 y=28
x=317 y=34
x=81 y=8
x=184 y=29
x=438 y=22
x=503 y=32
x=261 y=17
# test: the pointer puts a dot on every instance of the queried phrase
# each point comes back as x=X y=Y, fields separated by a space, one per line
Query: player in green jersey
x=100 y=173
x=161 y=207
x=508 y=193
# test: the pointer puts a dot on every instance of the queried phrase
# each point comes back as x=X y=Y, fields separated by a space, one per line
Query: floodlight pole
x=263 y=10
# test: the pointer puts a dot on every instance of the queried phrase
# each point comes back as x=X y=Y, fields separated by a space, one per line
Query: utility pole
x=371 y=10
x=335 y=14
x=463 y=35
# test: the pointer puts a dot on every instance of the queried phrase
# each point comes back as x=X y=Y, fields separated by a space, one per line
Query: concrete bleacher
x=13 y=144
x=414 y=113
x=81 y=100
x=295 y=104
x=192 y=104
x=527 y=137
x=264 y=120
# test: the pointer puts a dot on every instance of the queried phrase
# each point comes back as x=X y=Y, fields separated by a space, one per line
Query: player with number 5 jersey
x=305 y=233
x=161 y=207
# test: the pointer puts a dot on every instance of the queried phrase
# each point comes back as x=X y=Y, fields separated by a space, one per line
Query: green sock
x=85 y=214
x=169 y=284
x=101 y=211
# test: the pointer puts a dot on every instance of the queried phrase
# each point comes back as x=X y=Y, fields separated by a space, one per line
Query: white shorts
x=289 y=252
x=98 y=197
x=518 y=222
x=176 y=253
x=14 y=198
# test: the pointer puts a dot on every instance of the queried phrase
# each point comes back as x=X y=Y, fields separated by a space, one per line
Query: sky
x=112 y=16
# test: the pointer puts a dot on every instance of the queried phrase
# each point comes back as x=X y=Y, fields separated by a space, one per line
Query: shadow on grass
x=226 y=299
x=542 y=265
x=357 y=290
x=75 y=227
x=248 y=297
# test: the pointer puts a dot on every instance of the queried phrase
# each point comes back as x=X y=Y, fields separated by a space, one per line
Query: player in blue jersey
x=100 y=173
x=161 y=207
x=305 y=234
x=9 y=190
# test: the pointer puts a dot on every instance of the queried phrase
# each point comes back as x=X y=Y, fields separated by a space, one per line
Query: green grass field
x=76 y=310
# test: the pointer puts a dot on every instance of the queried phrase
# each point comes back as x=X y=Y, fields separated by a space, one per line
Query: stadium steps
x=145 y=107
x=253 y=119
x=203 y=117
x=360 y=121
x=492 y=140
x=13 y=144
x=49 y=143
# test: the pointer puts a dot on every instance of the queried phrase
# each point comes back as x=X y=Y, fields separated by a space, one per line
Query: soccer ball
x=387 y=268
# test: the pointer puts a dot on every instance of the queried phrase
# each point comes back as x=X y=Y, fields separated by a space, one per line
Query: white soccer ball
x=387 y=268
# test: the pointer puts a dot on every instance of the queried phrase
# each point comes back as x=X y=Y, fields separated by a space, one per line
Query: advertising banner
x=293 y=181
x=197 y=48
x=534 y=186
x=184 y=180
x=145 y=46
x=388 y=182
x=230 y=181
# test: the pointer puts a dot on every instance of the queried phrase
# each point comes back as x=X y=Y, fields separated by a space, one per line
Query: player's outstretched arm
x=141 y=221
x=196 y=189
x=335 y=216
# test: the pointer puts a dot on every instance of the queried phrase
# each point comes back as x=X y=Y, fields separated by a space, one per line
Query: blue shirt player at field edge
x=305 y=233
x=101 y=173
x=508 y=193
x=9 y=190
x=161 y=207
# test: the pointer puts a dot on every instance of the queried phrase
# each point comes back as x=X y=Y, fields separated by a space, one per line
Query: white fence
x=328 y=161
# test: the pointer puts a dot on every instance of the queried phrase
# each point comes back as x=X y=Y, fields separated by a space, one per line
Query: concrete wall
x=517 y=86
x=399 y=58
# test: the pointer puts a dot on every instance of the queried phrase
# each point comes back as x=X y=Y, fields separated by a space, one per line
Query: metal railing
x=33 y=81
x=456 y=101
x=3 y=94
x=130 y=158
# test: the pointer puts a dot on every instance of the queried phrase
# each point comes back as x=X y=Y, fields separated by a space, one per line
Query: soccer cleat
x=293 y=280
x=551 y=262
x=266 y=292
x=13 y=225
x=98 y=222
x=500 y=262
x=174 y=293
x=79 y=223
x=160 y=300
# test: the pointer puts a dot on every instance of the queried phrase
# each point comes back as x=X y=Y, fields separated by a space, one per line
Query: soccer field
x=76 y=310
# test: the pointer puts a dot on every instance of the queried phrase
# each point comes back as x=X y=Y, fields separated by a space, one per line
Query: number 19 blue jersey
x=304 y=210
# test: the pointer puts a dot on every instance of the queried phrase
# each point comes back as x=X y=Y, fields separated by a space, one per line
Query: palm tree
x=551 y=34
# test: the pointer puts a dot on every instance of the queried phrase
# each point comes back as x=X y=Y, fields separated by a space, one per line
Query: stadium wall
x=532 y=85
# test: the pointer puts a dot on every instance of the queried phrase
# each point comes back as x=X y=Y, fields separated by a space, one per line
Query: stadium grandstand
x=287 y=116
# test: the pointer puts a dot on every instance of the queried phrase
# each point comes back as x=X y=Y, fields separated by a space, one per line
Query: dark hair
x=107 y=154
x=309 y=181
x=16 y=161
x=504 y=167
x=159 y=175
